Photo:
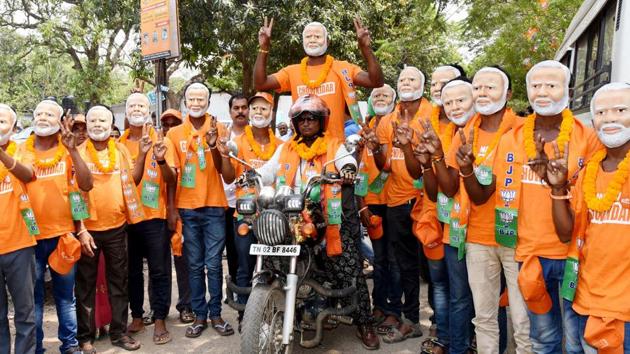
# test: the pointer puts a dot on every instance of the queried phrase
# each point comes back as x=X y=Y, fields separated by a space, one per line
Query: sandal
x=222 y=327
x=163 y=338
x=195 y=330
x=395 y=336
x=127 y=343
x=186 y=316
x=87 y=348
x=149 y=319
x=384 y=328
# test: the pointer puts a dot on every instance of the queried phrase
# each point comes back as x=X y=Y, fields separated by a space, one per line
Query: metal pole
x=158 y=92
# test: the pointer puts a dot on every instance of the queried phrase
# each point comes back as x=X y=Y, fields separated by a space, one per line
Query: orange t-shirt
x=208 y=190
x=290 y=79
x=13 y=232
x=399 y=186
x=152 y=174
x=247 y=154
x=106 y=197
x=536 y=233
x=603 y=287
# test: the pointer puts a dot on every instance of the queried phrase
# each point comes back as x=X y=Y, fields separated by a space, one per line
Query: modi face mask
x=46 y=118
x=610 y=110
x=137 y=109
x=260 y=113
x=99 y=123
x=490 y=88
x=383 y=100
x=458 y=105
x=410 y=84
x=7 y=122
x=548 y=87
x=197 y=100
x=315 y=39
x=439 y=78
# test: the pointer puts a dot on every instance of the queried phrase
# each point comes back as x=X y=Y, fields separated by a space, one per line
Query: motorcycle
x=289 y=294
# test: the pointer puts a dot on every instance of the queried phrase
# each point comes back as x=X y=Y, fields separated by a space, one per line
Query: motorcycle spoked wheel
x=263 y=319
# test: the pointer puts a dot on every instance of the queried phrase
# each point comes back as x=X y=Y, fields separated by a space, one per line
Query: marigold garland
x=40 y=164
x=111 y=153
x=614 y=187
x=566 y=127
x=256 y=148
x=319 y=147
x=435 y=118
x=10 y=151
x=312 y=84
x=503 y=127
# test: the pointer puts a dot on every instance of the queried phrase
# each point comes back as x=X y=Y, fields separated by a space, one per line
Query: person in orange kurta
x=332 y=80
x=595 y=216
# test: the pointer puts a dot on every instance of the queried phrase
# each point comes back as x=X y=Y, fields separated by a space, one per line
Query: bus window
x=609 y=33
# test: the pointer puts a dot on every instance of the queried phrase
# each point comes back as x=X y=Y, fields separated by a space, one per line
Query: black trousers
x=113 y=244
x=407 y=251
x=150 y=239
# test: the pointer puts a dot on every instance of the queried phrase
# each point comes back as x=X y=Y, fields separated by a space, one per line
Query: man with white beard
x=149 y=238
x=320 y=74
x=523 y=209
x=59 y=174
x=113 y=202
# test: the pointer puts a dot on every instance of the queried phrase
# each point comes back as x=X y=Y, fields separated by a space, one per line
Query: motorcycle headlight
x=271 y=227
x=293 y=203
x=266 y=197
x=246 y=206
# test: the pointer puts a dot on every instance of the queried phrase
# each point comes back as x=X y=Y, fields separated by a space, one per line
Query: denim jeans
x=17 y=275
x=439 y=278
x=365 y=247
x=546 y=331
x=461 y=308
x=204 y=239
x=246 y=263
x=581 y=319
x=63 y=293
x=387 y=291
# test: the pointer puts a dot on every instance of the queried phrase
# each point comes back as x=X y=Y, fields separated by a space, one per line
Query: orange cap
x=427 y=228
x=264 y=95
x=375 y=230
x=67 y=253
x=605 y=334
x=533 y=288
x=171 y=113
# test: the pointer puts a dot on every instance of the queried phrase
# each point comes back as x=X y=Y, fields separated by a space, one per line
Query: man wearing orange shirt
x=201 y=203
x=333 y=80
x=57 y=164
x=149 y=238
x=594 y=214
x=402 y=193
x=523 y=208
x=17 y=241
x=113 y=202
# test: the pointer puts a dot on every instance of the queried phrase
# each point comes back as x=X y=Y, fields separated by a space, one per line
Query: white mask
x=461 y=121
x=316 y=52
x=198 y=113
x=47 y=130
x=259 y=121
x=5 y=137
x=553 y=108
x=614 y=140
x=383 y=110
x=410 y=96
x=437 y=101
x=138 y=120
x=101 y=135
x=491 y=108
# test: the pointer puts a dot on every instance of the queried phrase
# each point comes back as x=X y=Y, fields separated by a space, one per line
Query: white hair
x=197 y=85
x=490 y=69
x=50 y=102
x=99 y=108
x=613 y=86
x=551 y=64
x=11 y=111
x=454 y=83
x=452 y=69
x=386 y=86
x=315 y=23
x=133 y=95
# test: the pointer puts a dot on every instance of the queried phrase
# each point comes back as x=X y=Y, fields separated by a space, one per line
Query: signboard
x=159 y=29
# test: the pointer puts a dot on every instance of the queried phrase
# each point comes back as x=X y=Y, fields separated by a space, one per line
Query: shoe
x=186 y=316
x=368 y=337
x=73 y=350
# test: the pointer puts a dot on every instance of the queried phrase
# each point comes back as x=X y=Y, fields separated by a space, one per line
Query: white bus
x=596 y=48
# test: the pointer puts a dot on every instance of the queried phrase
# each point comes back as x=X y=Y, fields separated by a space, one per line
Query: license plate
x=280 y=250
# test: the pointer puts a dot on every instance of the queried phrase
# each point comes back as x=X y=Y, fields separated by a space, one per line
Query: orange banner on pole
x=159 y=28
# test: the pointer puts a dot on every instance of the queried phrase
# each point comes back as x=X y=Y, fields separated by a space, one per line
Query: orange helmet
x=309 y=104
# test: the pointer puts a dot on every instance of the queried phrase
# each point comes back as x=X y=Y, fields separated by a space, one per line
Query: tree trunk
x=248 y=78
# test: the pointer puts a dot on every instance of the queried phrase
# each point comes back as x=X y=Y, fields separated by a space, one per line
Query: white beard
x=197 y=114
x=553 y=109
x=437 y=101
x=259 y=121
x=461 y=121
x=315 y=52
x=381 y=111
x=46 y=131
x=491 y=108
x=138 y=121
x=410 y=96
x=4 y=138
x=614 y=140
x=100 y=136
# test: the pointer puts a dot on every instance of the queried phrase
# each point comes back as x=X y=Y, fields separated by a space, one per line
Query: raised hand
x=264 y=34
x=68 y=139
x=402 y=135
x=558 y=167
x=363 y=34
x=159 y=148
x=422 y=153
x=465 y=156
x=539 y=163
x=145 y=140
x=369 y=135
x=432 y=141
x=212 y=134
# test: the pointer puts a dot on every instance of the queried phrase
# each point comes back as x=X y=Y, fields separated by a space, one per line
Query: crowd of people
x=490 y=208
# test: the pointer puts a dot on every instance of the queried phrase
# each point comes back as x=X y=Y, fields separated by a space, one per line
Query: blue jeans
x=204 y=239
x=365 y=247
x=439 y=278
x=546 y=330
x=63 y=293
x=461 y=308
x=246 y=263
x=387 y=291
x=591 y=350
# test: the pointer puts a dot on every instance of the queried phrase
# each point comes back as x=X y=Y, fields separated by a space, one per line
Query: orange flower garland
x=614 y=187
x=40 y=164
x=435 y=118
x=312 y=84
x=319 y=147
x=10 y=151
x=111 y=152
x=493 y=144
x=256 y=148
x=566 y=127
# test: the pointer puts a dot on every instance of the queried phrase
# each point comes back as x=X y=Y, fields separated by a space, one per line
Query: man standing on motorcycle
x=303 y=157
